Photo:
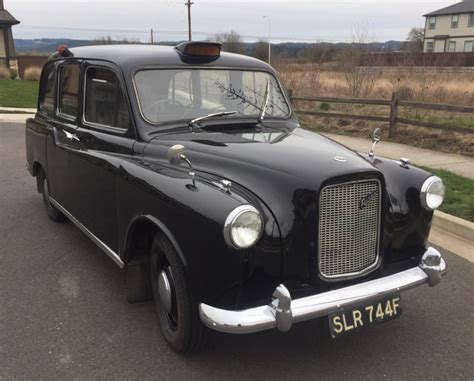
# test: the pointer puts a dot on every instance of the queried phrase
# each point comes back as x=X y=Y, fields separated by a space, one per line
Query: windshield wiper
x=193 y=122
x=265 y=105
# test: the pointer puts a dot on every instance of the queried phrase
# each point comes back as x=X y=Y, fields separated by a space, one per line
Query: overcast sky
x=291 y=20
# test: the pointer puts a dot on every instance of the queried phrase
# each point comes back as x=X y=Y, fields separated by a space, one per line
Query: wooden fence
x=393 y=120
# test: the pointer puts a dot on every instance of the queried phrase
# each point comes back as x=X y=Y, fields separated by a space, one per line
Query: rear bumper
x=284 y=311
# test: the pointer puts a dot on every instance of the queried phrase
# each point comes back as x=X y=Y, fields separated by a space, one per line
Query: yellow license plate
x=362 y=316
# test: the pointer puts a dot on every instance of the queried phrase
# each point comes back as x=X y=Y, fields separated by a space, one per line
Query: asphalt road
x=64 y=315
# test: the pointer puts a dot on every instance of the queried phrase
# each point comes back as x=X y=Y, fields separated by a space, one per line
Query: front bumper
x=283 y=311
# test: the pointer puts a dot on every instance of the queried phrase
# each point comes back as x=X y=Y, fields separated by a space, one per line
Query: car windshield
x=174 y=95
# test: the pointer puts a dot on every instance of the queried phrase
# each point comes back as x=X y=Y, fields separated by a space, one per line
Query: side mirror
x=375 y=139
x=176 y=155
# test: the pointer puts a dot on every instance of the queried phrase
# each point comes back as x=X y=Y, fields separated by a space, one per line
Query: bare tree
x=231 y=42
x=107 y=40
x=414 y=42
x=260 y=50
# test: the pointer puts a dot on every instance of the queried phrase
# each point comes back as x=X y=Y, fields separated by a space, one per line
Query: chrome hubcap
x=164 y=291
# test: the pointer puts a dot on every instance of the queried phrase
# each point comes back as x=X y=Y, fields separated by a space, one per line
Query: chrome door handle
x=72 y=137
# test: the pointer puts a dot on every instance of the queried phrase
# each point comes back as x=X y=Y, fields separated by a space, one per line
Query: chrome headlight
x=432 y=193
x=243 y=227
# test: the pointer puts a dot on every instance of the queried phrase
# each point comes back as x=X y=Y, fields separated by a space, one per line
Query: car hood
x=280 y=167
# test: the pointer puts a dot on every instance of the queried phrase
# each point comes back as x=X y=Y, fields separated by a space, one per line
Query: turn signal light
x=64 y=51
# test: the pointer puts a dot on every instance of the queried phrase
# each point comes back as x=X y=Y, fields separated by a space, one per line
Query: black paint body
x=114 y=183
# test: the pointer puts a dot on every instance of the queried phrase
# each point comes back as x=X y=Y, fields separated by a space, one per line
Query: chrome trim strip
x=107 y=250
x=283 y=311
x=373 y=266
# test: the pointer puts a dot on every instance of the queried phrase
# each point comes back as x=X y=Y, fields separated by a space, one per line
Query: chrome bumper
x=283 y=311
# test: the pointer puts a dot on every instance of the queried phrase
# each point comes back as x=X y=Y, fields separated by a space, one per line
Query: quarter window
x=454 y=21
x=452 y=46
x=469 y=46
x=46 y=97
x=69 y=90
x=105 y=103
x=432 y=22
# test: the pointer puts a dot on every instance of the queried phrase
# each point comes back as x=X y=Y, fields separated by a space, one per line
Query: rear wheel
x=53 y=212
x=177 y=313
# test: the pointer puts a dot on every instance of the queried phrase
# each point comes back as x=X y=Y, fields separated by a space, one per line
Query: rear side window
x=105 y=103
x=46 y=96
x=69 y=90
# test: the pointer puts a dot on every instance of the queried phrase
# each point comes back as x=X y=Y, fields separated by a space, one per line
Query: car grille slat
x=349 y=228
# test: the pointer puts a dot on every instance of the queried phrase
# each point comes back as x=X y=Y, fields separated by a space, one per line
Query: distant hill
x=286 y=49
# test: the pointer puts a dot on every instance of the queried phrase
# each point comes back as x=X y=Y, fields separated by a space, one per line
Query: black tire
x=52 y=212
x=181 y=327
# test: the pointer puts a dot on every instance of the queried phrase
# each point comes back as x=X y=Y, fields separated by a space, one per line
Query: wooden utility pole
x=188 y=4
x=151 y=36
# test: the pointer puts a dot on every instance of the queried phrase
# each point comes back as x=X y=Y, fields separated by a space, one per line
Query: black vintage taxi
x=188 y=168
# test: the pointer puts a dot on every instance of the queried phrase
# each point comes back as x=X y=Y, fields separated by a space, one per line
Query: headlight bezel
x=232 y=218
x=424 y=192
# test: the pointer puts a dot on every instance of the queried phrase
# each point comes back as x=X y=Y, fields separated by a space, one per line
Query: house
x=450 y=29
x=7 y=48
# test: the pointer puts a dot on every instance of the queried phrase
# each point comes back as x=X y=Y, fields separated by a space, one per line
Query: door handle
x=72 y=137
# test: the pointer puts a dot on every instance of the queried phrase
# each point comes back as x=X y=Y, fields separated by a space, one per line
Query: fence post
x=393 y=115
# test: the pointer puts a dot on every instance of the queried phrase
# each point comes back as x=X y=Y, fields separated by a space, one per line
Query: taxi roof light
x=200 y=49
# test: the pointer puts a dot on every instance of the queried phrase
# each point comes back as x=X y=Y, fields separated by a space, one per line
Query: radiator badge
x=341 y=159
x=365 y=201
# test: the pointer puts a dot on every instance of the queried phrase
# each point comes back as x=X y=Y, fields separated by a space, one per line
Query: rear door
x=106 y=136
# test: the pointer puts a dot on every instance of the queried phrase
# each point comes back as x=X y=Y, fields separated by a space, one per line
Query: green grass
x=458 y=121
x=22 y=94
x=459 y=200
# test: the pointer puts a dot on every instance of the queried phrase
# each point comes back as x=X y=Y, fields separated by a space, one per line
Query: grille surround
x=348 y=233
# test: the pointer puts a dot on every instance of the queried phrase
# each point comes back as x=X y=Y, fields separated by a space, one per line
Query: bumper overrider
x=284 y=311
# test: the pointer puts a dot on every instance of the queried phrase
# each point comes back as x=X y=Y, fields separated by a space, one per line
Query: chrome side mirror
x=375 y=139
x=176 y=155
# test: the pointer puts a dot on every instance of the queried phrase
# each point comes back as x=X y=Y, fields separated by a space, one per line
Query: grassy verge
x=459 y=200
x=458 y=121
x=18 y=93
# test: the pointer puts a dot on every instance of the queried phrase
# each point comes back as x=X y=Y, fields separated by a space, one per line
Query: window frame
x=465 y=45
x=58 y=111
x=432 y=26
x=43 y=86
x=430 y=43
x=455 y=24
x=452 y=43
x=199 y=67
x=99 y=126
x=470 y=20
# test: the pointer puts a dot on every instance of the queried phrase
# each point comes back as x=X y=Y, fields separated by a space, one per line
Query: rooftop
x=5 y=17
x=466 y=6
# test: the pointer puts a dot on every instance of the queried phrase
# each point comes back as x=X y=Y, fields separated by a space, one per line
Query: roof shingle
x=466 y=6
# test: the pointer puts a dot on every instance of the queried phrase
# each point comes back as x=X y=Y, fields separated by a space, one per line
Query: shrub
x=4 y=73
x=324 y=106
x=32 y=73
x=13 y=74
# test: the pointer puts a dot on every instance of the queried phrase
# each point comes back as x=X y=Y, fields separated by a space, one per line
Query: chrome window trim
x=99 y=126
x=161 y=124
x=107 y=250
x=377 y=262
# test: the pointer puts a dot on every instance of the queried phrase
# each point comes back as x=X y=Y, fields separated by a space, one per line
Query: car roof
x=129 y=56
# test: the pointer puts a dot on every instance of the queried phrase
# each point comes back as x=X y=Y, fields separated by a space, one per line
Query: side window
x=105 y=103
x=46 y=96
x=69 y=90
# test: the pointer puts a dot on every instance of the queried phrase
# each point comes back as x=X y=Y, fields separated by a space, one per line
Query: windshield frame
x=180 y=122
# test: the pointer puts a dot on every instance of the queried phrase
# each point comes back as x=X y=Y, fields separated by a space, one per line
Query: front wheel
x=177 y=313
x=53 y=212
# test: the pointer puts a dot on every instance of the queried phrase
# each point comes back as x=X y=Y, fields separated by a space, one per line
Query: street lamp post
x=269 y=38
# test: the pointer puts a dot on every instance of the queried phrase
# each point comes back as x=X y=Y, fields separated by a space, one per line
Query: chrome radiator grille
x=349 y=225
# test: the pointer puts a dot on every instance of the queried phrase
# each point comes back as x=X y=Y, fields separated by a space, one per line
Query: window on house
x=105 y=104
x=471 y=19
x=469 y=46
x=452 y=46
x=429 y=47
x=454 y=21
x=69 y=90
x=432 y=22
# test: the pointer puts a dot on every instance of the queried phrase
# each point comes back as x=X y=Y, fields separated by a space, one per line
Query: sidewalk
x=458 y=164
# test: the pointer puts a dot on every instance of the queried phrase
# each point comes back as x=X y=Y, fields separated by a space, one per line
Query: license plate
x=354 y=318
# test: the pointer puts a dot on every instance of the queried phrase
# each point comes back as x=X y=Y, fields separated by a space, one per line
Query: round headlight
x=432 y=193
x=243 y=227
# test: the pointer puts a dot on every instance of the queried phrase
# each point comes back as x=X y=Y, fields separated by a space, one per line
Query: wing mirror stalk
x=176 y=155
x=375 y=140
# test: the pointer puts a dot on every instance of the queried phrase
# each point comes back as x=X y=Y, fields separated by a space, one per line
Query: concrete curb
x=454 y=234
x=17 y=110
